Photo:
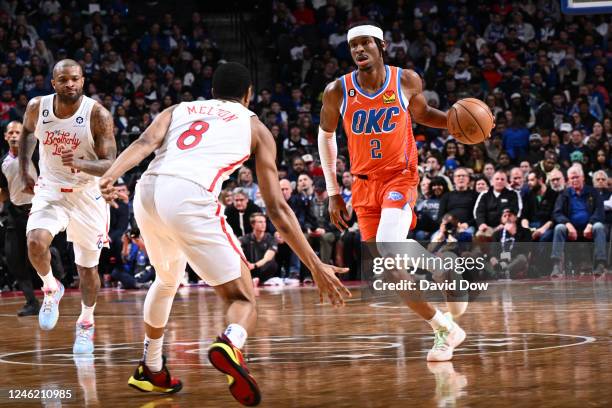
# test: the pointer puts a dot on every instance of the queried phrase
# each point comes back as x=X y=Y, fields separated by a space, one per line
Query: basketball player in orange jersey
x=197 y=146
x=77 y=145
x=375 y=103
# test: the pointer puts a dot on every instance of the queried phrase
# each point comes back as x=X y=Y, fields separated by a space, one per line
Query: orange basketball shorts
x=371 y=195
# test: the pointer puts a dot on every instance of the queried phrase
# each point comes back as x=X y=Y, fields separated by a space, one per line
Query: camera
x=134 y=233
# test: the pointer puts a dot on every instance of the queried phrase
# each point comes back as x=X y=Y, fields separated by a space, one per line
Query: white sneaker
x=275 y=281
x=445 y=342
x=292 y=282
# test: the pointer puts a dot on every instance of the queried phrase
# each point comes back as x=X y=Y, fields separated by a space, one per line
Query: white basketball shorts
x=83 y=214
x=180 y=220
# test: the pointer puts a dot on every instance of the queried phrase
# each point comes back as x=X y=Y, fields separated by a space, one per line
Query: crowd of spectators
x=543 y=74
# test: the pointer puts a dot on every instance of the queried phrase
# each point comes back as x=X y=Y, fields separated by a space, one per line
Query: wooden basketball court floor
x=532 y=344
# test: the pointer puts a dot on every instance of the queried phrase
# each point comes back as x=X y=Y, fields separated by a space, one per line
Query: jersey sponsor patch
x=389 y=96
x=395 y=196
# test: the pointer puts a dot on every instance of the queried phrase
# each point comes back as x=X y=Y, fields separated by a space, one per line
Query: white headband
x=364 y=30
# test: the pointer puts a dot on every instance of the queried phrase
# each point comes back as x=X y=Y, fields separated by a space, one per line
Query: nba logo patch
x=395 y=196
x=388 y=97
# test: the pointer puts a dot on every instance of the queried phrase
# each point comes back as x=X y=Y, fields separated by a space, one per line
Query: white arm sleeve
x=328 y=152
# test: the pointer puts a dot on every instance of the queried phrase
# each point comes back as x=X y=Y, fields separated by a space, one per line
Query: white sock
x=236 y=334
x=153 y=353
x=439 y=320
x=49 y=281
x=87 y=314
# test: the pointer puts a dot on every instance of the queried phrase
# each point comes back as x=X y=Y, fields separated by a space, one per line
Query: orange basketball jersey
x=378 y=126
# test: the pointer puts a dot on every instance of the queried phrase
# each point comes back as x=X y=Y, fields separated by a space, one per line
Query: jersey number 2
x=375 y=145
x=192 y=136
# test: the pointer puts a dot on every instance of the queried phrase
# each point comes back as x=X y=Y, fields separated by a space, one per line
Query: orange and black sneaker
x=228 y=359
x=147 y=381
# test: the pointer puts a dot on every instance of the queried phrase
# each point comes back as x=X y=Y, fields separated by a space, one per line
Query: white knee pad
x=87 y=258
x=160 y=296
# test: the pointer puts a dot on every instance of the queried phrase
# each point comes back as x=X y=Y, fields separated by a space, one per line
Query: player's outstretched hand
x=338 y=213
x=109 y=192
x=325 y=278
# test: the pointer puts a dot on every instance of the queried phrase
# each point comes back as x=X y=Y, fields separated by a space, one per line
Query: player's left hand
x=109 y=192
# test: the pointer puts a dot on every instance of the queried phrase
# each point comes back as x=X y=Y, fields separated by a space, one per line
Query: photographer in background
x=135 y=271
x=512 y=258
x=447 y=237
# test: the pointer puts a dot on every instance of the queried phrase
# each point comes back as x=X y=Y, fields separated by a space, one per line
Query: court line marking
x=586 y=340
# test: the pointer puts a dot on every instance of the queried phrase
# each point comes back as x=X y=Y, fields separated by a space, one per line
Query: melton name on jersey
x=378 y=126
x=205 y=143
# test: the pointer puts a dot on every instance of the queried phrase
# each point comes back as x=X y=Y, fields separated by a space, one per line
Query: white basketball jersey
x=55 y=135
x=206 y=142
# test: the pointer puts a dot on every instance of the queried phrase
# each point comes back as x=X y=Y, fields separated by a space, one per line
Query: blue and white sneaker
x=49 y=310
x=83 y=343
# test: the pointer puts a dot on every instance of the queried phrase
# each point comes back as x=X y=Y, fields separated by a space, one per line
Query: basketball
x=470 y=121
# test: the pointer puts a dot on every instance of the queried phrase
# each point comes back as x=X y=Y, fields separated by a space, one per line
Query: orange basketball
x=470 y=121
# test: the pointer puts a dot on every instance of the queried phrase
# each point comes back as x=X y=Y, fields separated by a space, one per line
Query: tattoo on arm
x=104 y=142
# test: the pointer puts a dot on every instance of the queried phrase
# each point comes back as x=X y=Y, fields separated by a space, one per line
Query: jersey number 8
x=192 y=136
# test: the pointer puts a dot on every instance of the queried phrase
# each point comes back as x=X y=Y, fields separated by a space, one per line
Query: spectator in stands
x=517 y=181
x=549 y=163
x=556 y=179
x=245 y=181
x=576 y=144
x=295 y=144
x=490 y=205
x=516 y=138
x=461 y=201
x=481 y=184
x=600 y=183
x=434 y=168
x=240 y=211
x=579 y=213
x=535 y=152
x=286 y=258
x=119 y=223
x=428 y=210
x=538 y=207
x=260 y=248
x=513 y=257
x=347 y=184
x=321 y=232
x=488 y=170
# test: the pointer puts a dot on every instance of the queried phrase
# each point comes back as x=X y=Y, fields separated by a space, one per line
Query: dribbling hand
x=325 y=278
x=338 y=213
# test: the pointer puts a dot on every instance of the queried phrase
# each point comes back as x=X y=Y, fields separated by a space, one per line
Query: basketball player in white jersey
x=198 y=145
x=76 y=146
